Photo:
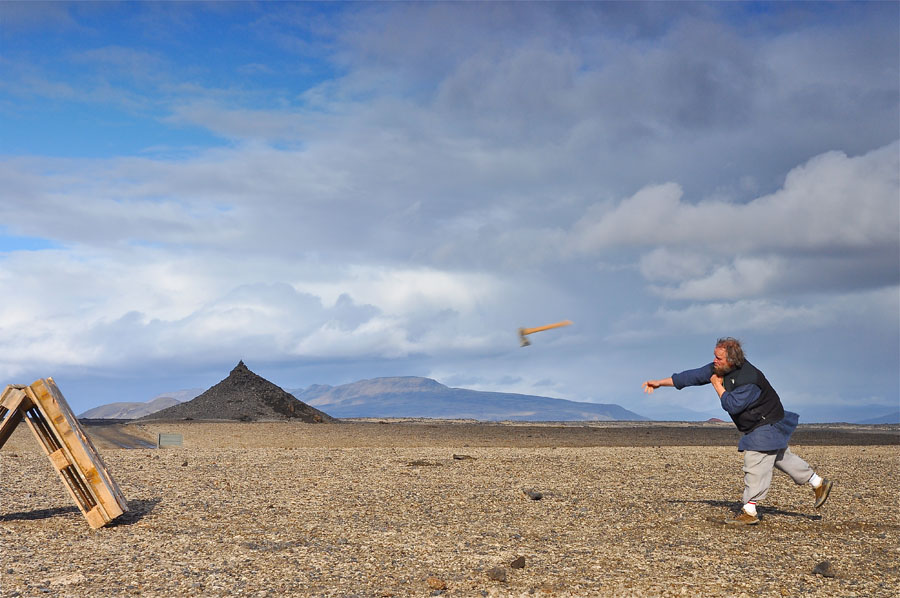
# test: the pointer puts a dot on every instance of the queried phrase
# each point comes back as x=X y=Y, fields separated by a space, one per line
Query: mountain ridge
x=130 y=409
x=398 y=396
x=412 y=396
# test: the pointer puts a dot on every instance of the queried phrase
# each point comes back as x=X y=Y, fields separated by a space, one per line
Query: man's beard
x=721 y=371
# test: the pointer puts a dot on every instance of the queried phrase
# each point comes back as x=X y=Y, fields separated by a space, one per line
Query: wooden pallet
x=80 y=467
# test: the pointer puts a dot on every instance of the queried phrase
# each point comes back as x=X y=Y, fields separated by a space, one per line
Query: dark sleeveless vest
x=766 y=409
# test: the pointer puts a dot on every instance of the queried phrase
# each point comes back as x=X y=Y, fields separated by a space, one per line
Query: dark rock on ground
x=825 y=569
x=496 y=574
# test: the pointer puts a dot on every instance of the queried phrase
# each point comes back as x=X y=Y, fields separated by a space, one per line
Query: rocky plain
x=451 y=508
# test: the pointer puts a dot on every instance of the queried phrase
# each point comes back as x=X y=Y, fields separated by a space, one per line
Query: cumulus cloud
x=147 y=305
x=864 y=314
x=842 y=211
x=663 y=264
x=831 y=201
x=743 y=277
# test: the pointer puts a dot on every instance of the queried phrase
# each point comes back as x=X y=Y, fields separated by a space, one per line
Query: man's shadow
x=137 y=510
x=736 y=506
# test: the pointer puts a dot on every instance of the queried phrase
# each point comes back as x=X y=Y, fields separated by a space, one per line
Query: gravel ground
x=439 y=508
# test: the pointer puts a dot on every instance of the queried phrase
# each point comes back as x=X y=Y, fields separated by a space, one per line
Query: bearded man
x=756 y=410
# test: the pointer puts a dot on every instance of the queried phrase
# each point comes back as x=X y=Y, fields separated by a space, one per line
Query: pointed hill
x=243 y=396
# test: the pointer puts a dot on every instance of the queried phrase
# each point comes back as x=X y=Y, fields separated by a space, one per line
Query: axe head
x=525 y=342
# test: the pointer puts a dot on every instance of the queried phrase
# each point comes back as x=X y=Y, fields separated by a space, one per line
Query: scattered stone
x=436 y=583
x=184 y=464
x=519 y=563
x=824 y=569
x=422 y=463
x=532 y=494
x=496 y=574
x=463 y=457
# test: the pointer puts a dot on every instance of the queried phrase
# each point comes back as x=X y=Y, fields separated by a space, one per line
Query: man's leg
x=757 y=475
x=794 y=466
x=801 y=472
x=757 y=478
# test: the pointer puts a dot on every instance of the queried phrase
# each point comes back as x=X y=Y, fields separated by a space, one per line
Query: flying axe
x=523 y=332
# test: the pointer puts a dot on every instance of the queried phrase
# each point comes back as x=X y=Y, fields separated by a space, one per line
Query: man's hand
x=651 y=385
x=717 y=384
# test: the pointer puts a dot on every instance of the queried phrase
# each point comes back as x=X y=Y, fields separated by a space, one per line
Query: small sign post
x=167 y=440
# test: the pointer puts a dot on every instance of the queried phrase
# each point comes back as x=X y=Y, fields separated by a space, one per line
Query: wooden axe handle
x=524 y=331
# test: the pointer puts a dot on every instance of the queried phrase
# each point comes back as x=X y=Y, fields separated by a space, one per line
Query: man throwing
x=756 y=410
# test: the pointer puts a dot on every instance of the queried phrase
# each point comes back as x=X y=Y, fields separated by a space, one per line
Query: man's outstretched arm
x=696 y=377
x=651 y=385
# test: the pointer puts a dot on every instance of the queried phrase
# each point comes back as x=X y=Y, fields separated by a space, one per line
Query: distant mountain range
x=406 y=397
x=135 y=409
x=888 y=418
x=411 y=396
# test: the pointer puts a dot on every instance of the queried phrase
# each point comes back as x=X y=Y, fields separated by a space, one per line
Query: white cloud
x=648 y=217
x=834 y=214
x=831 y=202
x=403 y=290
x=864 y=311
x=744 y=277
x=663 y=264
x=115 y=310
x=742 y=317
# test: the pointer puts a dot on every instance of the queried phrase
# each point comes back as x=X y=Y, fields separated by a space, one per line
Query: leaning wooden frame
x=42 y=406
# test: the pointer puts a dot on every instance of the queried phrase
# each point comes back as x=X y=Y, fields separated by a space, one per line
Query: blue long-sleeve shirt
x=769 y=437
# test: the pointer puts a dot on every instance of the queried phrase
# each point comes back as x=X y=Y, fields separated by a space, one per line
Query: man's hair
x=734 y=353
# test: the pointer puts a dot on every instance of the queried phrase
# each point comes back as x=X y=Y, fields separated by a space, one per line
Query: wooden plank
x=77 y=489
x=40 y=428
x=70 y=450
x=59 y=459
x=96 y=517
x=67 y=472
x=87 y=478
x=79 y=444
x=12 y=399
x=11 y=396
x=57 y=425
x=9 y=424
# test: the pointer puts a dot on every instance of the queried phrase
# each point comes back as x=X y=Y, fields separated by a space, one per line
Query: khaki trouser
x=758 y=468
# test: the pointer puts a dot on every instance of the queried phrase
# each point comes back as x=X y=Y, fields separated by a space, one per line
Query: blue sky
x=341 y=191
